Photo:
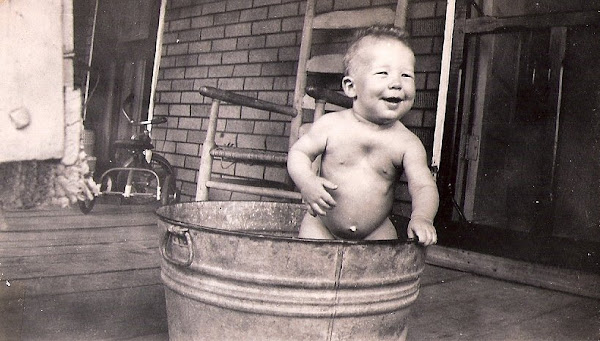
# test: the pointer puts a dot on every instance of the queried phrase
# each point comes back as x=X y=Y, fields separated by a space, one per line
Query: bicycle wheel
x=86 y=205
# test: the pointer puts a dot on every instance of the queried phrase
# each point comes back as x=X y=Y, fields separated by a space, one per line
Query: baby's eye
x=382 y=73
x=408 y=75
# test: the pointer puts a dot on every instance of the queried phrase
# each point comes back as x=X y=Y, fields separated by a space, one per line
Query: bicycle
x=143 y=173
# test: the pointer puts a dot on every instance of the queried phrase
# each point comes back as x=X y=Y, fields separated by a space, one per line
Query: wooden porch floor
x=67 y=276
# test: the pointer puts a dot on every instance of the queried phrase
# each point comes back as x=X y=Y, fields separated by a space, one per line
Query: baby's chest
x=382 y=155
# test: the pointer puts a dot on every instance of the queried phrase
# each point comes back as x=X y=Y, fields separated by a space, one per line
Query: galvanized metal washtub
x=237 y=271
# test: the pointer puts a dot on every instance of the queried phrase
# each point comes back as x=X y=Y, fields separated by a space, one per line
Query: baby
x=364 y=148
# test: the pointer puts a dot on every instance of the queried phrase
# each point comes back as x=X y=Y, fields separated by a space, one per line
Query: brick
x=421 y=10
x=254 y=114
x=196 y=72
x=205 y=82
x=219 y=71
x=213 y=32
x=281 y=39
x=214 y=7
x=258 y=83
x=210 y=58
x=229 y=111
x=254 y=14
x=177 y=49
x=277 y=143
x=186 y=175
x=414 y=118
x=179 y=110
x=170 y=97
x=284 y=83
x=428 y=63
x=187 y=60
x=191 y=97
x=268 y=128
x=163 y=85
x=174 y=73
x=224 y=167
x=421 y=45
x=190 y=123
x=348 y=4
x=189 y=36
x=168 y=147
x=228 y=44
x=266 y=26
x=427 y=27
x=249 y=171
x=292 y=24
x=186 y=149
x=200 y=110
x=285 y=10
x=176 y=135
x=259 y=3
x=429 y=117
x=289 y=53
x=279 y=69
x=237 y=30
x=192 y=162
x=176 y=160
x=227 y=18
x=158 y=133
x=225 y=139
x=201 y=22
x=238 y=126
x=433 y=81
x=263 y=55
x=183 y=84
x=231 y=83
x=196 y=136
x=246 y=70
x=251 y=141
x=179 y=25
x=161 y=109
x=278 y=174
x=273 y=96
x=253 y=42
x=235 y=57
x=233 y=5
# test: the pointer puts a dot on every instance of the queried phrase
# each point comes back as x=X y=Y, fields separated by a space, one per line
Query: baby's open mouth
x=392 y=99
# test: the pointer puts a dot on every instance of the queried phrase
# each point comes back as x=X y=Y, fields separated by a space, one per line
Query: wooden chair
x=311 y=101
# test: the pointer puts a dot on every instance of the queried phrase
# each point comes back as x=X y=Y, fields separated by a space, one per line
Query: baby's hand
x=423 y=229
x=317 y=197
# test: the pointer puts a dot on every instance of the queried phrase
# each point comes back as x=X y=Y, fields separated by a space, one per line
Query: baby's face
x=382 y=80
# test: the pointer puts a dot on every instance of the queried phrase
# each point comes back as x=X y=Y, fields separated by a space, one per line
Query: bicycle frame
x=142 y=173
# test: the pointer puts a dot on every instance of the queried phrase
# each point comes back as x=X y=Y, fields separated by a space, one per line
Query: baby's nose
x=395 y=82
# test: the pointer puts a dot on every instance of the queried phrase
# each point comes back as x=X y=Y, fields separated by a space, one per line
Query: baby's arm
x=423 y=192
x=300 y=157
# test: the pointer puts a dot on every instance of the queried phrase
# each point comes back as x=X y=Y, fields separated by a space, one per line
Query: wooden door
x=124 y=52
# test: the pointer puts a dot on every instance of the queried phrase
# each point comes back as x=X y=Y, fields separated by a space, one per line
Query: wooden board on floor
x=69 y=276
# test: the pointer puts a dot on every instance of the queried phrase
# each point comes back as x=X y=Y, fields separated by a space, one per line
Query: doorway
x=524 y=181
x=124 y=47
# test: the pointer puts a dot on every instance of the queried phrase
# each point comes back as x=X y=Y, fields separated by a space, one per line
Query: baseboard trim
x=547 y=277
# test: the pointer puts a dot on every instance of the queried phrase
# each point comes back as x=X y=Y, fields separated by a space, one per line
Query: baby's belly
x=360 y=210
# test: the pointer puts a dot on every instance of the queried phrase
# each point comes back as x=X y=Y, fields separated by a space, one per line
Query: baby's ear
x=348 y=86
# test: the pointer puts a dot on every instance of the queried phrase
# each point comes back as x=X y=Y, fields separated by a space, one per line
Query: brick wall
x=251 y=47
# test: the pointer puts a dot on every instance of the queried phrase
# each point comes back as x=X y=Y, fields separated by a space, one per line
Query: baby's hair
x=377 y=31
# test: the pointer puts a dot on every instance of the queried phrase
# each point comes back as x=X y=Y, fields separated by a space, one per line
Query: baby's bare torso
x=363 y=164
